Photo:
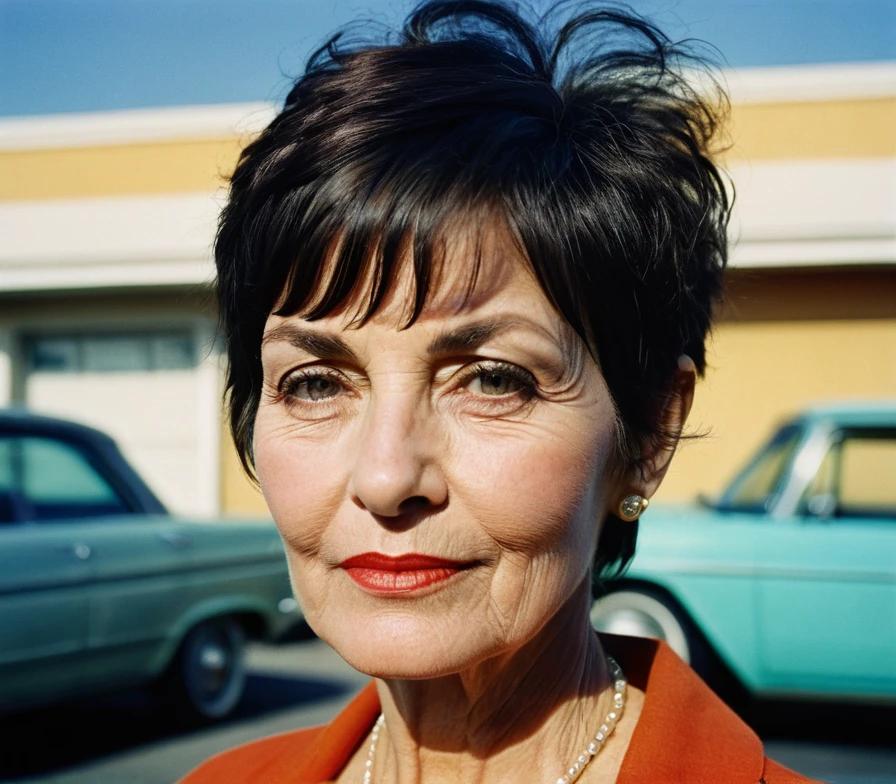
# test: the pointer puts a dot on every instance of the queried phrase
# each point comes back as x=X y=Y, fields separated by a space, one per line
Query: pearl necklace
x=574 y=770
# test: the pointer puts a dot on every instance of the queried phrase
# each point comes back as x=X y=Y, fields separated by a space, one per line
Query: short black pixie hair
x=592 y=144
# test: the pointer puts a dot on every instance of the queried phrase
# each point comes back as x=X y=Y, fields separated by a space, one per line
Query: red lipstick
x=387 y=574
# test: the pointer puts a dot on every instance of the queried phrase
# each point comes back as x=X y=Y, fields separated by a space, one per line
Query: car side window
x=43 y=478
x=857 y=477
x=754 y=489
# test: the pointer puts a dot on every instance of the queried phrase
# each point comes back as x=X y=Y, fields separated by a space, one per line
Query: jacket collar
x=684 y=733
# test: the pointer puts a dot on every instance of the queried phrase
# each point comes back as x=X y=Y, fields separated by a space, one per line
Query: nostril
x=415 y=503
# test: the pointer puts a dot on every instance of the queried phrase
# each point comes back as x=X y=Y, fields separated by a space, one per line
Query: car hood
x=675 y=514
x=670 y=534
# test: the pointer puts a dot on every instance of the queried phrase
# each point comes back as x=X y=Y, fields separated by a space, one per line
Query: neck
x=521 y=715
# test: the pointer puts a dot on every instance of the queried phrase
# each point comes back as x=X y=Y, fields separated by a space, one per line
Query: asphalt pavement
x=127 y=739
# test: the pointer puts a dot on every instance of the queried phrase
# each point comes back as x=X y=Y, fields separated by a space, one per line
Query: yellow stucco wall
x=182 y=166
x=814 y=129
x=239 y=496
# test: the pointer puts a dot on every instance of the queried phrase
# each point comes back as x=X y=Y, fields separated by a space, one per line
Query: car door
x=142 y=573
x=826 y=579
x=46 y=486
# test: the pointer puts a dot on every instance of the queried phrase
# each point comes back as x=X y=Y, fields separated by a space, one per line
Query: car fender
x=723 y=615
x=246 y=606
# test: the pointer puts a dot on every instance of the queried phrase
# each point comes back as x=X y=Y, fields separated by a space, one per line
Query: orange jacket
x=685 y=735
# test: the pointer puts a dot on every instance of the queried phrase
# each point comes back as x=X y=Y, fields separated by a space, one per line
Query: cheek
x=537 y=490
x=302 y=480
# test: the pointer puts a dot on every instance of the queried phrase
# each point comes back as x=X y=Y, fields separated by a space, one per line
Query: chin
x=405 y=646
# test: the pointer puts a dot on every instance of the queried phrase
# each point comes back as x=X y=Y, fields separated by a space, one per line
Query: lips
x=386 y=574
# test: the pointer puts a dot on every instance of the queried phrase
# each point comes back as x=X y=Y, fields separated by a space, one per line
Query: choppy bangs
x=347 y=255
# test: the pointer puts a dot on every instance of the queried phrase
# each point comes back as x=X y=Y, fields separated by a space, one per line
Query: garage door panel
x=153 y=411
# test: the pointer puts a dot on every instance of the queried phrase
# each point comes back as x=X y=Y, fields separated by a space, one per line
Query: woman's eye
x=312 y=387
x=494 y=383
x=501 y=381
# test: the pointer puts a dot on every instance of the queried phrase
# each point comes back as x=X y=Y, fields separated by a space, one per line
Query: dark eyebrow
x=322 y=346
x=468 y=338
x=455 y=341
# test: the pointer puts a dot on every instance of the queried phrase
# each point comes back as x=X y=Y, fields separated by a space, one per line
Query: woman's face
x=479 y=437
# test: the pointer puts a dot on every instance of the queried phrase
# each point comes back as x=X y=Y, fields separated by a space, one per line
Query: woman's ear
x=654 y=460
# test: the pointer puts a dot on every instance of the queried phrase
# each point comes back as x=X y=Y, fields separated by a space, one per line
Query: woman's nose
x=397 y=469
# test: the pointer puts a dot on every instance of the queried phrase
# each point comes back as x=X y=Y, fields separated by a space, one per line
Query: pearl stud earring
x=632 y=507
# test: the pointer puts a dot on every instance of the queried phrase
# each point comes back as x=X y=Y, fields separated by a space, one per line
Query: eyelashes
x=494 y=381
x=486 y=385
x=313 y=385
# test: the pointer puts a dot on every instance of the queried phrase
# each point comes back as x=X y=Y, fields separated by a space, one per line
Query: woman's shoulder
x=315 y=754
x=253 y=762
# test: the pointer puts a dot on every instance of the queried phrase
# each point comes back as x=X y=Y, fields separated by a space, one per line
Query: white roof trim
x=129 y=241
x=814 y=212
x=133 y=126
x=752 y=254
x=822 y=82
x=747 y=85
x=91 y=275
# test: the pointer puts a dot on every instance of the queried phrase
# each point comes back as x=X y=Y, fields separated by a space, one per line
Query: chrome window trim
x=803 y=468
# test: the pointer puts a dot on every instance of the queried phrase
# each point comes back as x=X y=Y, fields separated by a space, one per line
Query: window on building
x=57 y=355
x=111 y=352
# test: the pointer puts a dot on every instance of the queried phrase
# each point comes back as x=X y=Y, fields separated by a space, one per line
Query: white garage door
x=145 y=389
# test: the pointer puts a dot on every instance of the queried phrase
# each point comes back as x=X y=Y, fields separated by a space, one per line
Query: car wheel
x=638 y=613
x=210 y=672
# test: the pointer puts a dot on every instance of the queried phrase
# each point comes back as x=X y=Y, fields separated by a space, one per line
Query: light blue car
x=788 y=579
x=101 y=589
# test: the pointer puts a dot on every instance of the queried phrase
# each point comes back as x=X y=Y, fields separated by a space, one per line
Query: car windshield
x=755 y=487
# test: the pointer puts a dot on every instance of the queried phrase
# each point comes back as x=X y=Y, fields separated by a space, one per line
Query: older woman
x=466 y=277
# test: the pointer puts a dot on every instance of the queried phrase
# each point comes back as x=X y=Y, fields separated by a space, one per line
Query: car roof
x=858 y=413
x=15 y=418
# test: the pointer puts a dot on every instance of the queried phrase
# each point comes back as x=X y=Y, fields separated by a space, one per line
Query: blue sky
x=90 y=55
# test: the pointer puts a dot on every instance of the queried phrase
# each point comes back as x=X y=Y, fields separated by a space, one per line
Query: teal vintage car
x=787 y=580
x=101 y=589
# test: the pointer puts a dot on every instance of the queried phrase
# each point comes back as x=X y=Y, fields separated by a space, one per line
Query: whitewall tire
x=639 y=614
